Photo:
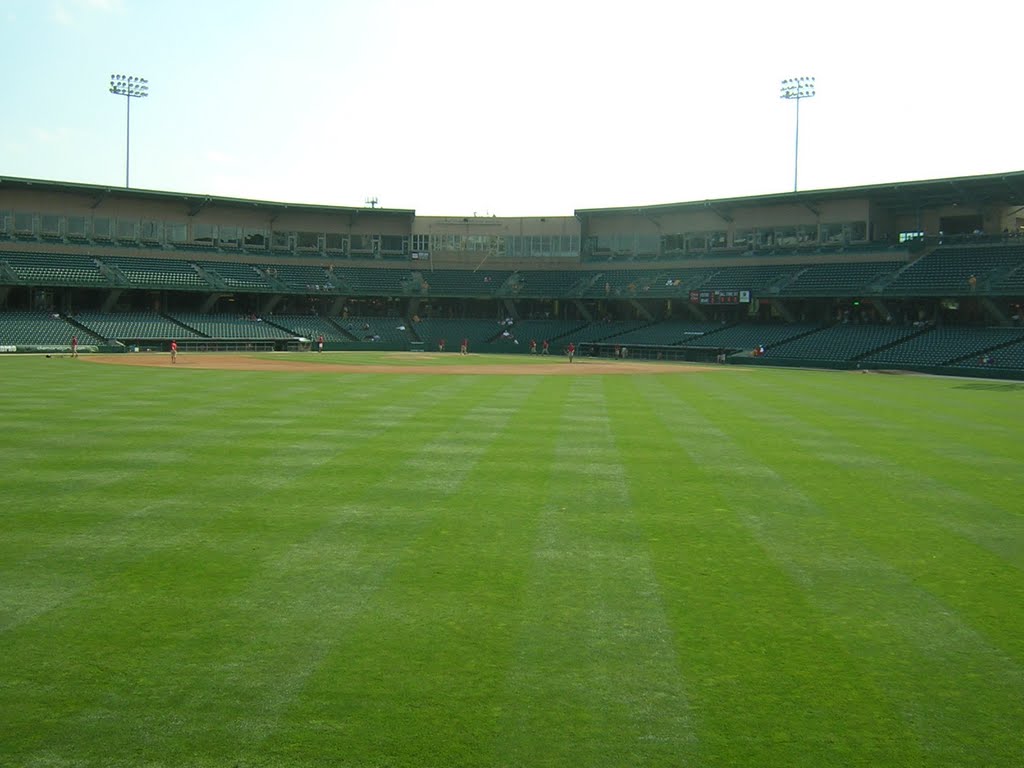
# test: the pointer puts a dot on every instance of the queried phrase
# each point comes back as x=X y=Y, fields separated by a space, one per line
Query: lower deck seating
x=133 y=326
x=840 y=343
x=37 y=328
x=943 y=346
x=224 y=326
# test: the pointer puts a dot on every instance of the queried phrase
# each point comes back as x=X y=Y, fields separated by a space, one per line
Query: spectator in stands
x=973 y=282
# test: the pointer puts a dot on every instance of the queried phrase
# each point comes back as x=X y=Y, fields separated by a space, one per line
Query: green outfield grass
x=732 y=568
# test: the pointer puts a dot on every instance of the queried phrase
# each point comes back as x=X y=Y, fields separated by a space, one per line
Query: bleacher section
x=223 y=326
x=367 y=281
x=948 y=269
x=551 y=284
x=756 y=277
x=944 y=346
x=238 y=276
x=310 y=326
x=609 y=331
x=387 y=330
x=1010 y=357
x=54 y=269
x=133 y=326
x=839 y=279
x=38 y=328
x=459 y=282
x=551 y=330
x=454 y=331
x=746 y=336
x=667 y=333
x=157 y=273
x=305 y=278
x=840 y=343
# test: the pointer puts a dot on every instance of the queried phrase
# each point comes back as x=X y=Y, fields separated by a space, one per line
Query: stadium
x=923 y=276
x=719 y=537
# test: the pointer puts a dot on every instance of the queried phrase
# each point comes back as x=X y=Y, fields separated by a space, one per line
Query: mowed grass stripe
x=596 y=680
x=226 y=543
x=926 y=493
x=856 y=563
x=771 y=682
x=416 y=678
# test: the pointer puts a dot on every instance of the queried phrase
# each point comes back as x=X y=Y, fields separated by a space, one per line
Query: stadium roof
x=194 y=202
x=899 y=197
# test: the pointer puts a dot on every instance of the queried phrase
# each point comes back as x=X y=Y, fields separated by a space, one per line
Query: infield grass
x=731 y=568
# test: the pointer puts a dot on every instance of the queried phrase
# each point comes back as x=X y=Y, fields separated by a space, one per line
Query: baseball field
x=396 y=560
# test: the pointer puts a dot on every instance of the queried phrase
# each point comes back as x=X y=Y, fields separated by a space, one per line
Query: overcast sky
x=530 y=107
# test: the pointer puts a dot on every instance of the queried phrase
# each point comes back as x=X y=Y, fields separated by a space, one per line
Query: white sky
x=511 y=108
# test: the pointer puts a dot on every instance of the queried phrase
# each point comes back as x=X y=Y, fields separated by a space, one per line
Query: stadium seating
x=133 y=326
x=156 y=273
x=225 y=326
x=840 y=343
x=386 y=330
x=38 y=328
x=54 y=269
x=368 y=281
x=609 y=331
x=305 y=278
x=666 y=333
x=942 y=346
x=1005 y=358
x=839 y=279
x=239 y=276
x=551 y=284
x=948 y=269
x=311 y=327
x=429 y=330
x=747 y=336
x=460 y=282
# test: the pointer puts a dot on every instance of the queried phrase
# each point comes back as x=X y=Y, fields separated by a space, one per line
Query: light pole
x=794 y=89
x=131 y=88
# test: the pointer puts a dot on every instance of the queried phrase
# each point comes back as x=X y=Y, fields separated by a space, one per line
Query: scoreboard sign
x=719 y=297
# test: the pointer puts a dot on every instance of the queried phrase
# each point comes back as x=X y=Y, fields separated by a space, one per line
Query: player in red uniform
x=74 y=346
x=571 y=351
x=464 y=348
x=533 y=346
x=320 y=343
x=545 y=347
x=174 y=351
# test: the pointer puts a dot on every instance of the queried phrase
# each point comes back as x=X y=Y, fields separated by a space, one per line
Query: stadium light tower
x=130 y=87
x=794 y=89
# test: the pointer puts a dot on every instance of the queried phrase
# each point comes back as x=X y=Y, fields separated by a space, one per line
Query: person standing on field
x=464 y=348
x=74 y=346
x=545 y=347
x=174 y=351
x=320 y=343
x=571 y=351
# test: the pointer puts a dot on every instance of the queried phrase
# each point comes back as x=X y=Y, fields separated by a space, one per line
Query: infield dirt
x=295 y=362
